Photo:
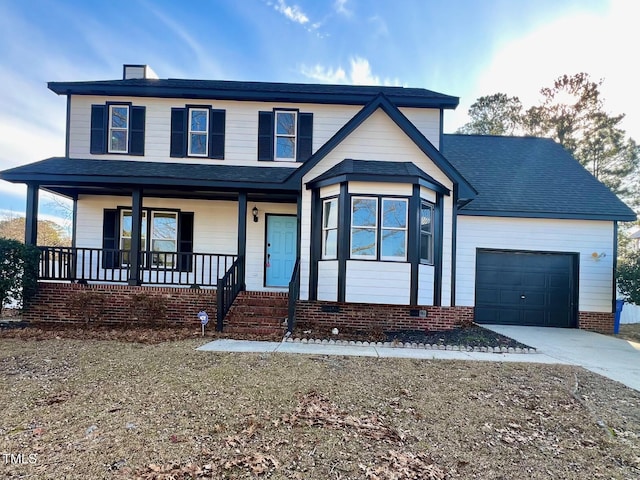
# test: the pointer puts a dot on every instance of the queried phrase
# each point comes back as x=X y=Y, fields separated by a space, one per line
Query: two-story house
x=348 y=200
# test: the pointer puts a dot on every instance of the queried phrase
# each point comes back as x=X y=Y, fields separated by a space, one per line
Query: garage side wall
x=593 y=241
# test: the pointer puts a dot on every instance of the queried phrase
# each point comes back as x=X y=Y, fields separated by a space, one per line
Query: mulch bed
x=474 y=336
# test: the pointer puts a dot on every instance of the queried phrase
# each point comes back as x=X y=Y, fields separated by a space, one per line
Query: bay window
x=330 y=229
x=426 y=233
x=364 y=228
x=394 y=229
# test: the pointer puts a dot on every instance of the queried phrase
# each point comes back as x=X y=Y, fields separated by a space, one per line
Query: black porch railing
x=159 y=268
x=228 y=288
x=294 y=295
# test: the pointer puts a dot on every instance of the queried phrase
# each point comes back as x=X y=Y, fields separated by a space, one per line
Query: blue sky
x=459 y=47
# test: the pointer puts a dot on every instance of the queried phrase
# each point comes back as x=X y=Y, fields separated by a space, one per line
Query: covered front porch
x=190 y=230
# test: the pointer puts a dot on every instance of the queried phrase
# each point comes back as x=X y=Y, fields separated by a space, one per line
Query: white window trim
x=425 y=261
x=284 y=135
x=143 y=233
x=167 y=253
x=198 y=132
x=374 y=228
x=118 y=129
x=327 y=228
x=147 y=243
x=395 y=258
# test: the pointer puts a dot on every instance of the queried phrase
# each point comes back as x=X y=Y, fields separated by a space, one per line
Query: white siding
x=328 y=280
x=256 y=232
x=378 y=282
x=584 y=237
x=215 y=229
x=241 y=136
x=375 y=188
x=427 y=120
x=378 y=138
x=426 y=276
x=428 y=195
x=241 y=125
x=330 y=191
x=215 y=226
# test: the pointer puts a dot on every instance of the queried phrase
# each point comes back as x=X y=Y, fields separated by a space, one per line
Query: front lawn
x=75 y=408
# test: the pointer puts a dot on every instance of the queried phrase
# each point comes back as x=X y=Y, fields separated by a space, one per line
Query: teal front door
x=280 y=254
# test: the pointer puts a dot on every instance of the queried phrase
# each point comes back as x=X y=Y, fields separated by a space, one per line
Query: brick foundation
x=51 y=303
x=363 y=316
x=601 y=322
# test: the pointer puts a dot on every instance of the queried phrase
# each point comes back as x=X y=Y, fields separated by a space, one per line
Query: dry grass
x=630 y=331
x=111 y=409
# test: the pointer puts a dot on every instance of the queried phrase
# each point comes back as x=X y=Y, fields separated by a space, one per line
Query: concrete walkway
x=224 y=345
x=611 y=357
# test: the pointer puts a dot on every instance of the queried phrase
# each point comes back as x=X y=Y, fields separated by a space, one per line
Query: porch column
x=242 y=237
x=31 y=222
x=136 y=237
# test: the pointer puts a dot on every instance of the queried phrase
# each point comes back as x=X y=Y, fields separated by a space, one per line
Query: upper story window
x=198 y=132
x=426 y=233
x=369 y=225
x=285 y=135
x=118 y=128
x=330 y=229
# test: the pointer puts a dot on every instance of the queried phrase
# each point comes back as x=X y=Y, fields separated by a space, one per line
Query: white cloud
x=293 y=13
x=359 y=74
x=323 y=74
x=598 y=44
x=341 y=7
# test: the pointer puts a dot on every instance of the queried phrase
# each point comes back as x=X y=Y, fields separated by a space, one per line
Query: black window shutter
x=305 y=136
x=185 y=221
x=110 y=237
x=265 y=136
x=178 y=132
x=216 y=134
x=98 y=129
x=136 y=131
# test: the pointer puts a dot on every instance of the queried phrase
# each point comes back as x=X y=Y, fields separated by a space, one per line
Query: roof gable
x=465 y=190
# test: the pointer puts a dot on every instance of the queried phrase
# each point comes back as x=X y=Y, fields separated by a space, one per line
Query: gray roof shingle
x=529 y=176
x=157 y=173
x=258 y=91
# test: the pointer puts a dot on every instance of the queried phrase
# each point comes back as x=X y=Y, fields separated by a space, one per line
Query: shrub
x=18 y=272
x=87 y=306
x=148 y=308
x=629 y=277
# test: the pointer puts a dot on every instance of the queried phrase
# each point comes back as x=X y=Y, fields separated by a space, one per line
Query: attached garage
x=526 y=288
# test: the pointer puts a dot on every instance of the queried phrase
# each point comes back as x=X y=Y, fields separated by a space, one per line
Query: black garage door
x=526 y=288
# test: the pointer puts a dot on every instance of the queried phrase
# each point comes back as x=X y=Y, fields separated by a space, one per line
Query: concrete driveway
x=608 y=356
